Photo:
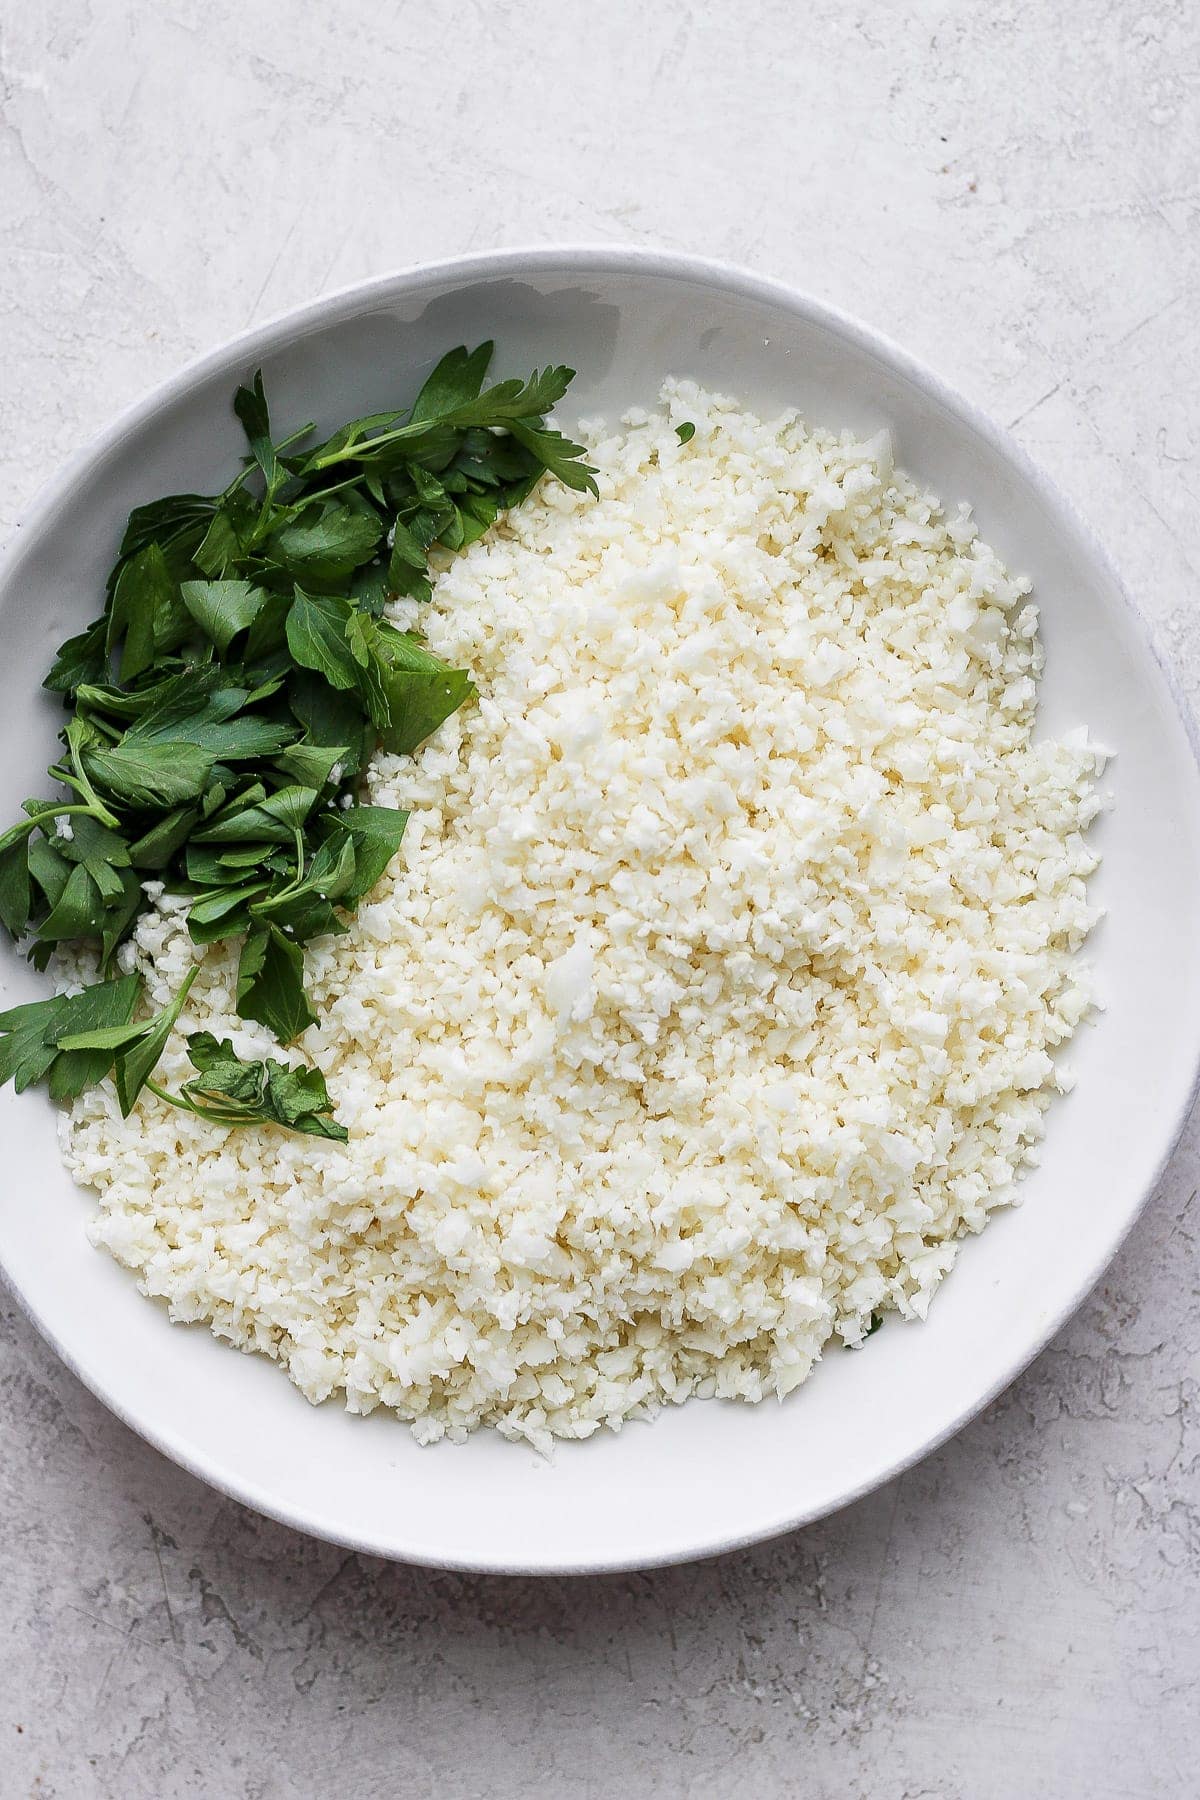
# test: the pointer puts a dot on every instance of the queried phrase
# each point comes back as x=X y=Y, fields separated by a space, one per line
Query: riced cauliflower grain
x=714 y=992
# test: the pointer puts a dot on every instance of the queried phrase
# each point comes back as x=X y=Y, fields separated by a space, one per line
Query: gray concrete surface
x=1011 y=190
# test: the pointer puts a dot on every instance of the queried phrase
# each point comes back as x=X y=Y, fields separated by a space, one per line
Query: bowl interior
x=711 y=1474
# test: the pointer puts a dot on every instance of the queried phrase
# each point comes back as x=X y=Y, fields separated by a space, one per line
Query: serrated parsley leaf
x=134 y=1048
x=32 y=1034
x=228 y=1091
x=509 y=401
x=313 y=765
x=275 y=818
x=224 y=912
x=418 y=701
x=455 y=382
x=229 y=536
x=250 y=405
x=145 y=613
x=316 y=635
x=270 y=984
x=376 y=832
x=147 y=776
x=222 y=608
x=327 y=546
x=81 y=659
x=166 y=521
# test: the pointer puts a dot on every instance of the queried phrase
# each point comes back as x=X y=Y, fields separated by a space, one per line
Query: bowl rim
x=581 y=259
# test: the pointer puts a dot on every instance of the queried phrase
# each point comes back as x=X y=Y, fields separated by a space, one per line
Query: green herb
x=685 y=432
x=223 y=608
x=31 y=1044
x=220 y=708
x=134 y=1048
x=270 y=983
x=231 y=1092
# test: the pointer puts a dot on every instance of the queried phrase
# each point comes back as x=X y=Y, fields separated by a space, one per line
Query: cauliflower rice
x=712 y=996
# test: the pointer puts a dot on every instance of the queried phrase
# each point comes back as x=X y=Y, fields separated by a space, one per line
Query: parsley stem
x=82 y=785
x=23 y=827
x=171 y=1099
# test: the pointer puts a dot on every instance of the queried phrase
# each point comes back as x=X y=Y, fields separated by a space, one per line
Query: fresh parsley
x=31 y=1048
x=222 y=706
x=232 y=1092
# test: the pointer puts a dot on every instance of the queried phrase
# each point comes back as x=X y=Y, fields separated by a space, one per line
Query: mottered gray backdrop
x=1011 y=190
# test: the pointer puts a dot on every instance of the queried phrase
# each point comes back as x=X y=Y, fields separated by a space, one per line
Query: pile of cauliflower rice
x=714 y=992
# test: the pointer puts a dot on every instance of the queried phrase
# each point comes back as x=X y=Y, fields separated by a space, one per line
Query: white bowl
x=711 y=1475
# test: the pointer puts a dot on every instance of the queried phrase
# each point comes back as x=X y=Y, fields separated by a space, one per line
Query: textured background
x=1009 y=189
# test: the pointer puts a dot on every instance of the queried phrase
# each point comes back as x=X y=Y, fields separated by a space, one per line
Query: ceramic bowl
x=709 y=1475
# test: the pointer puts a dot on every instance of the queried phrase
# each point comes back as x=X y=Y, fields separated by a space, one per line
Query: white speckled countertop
x=1010 y=190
